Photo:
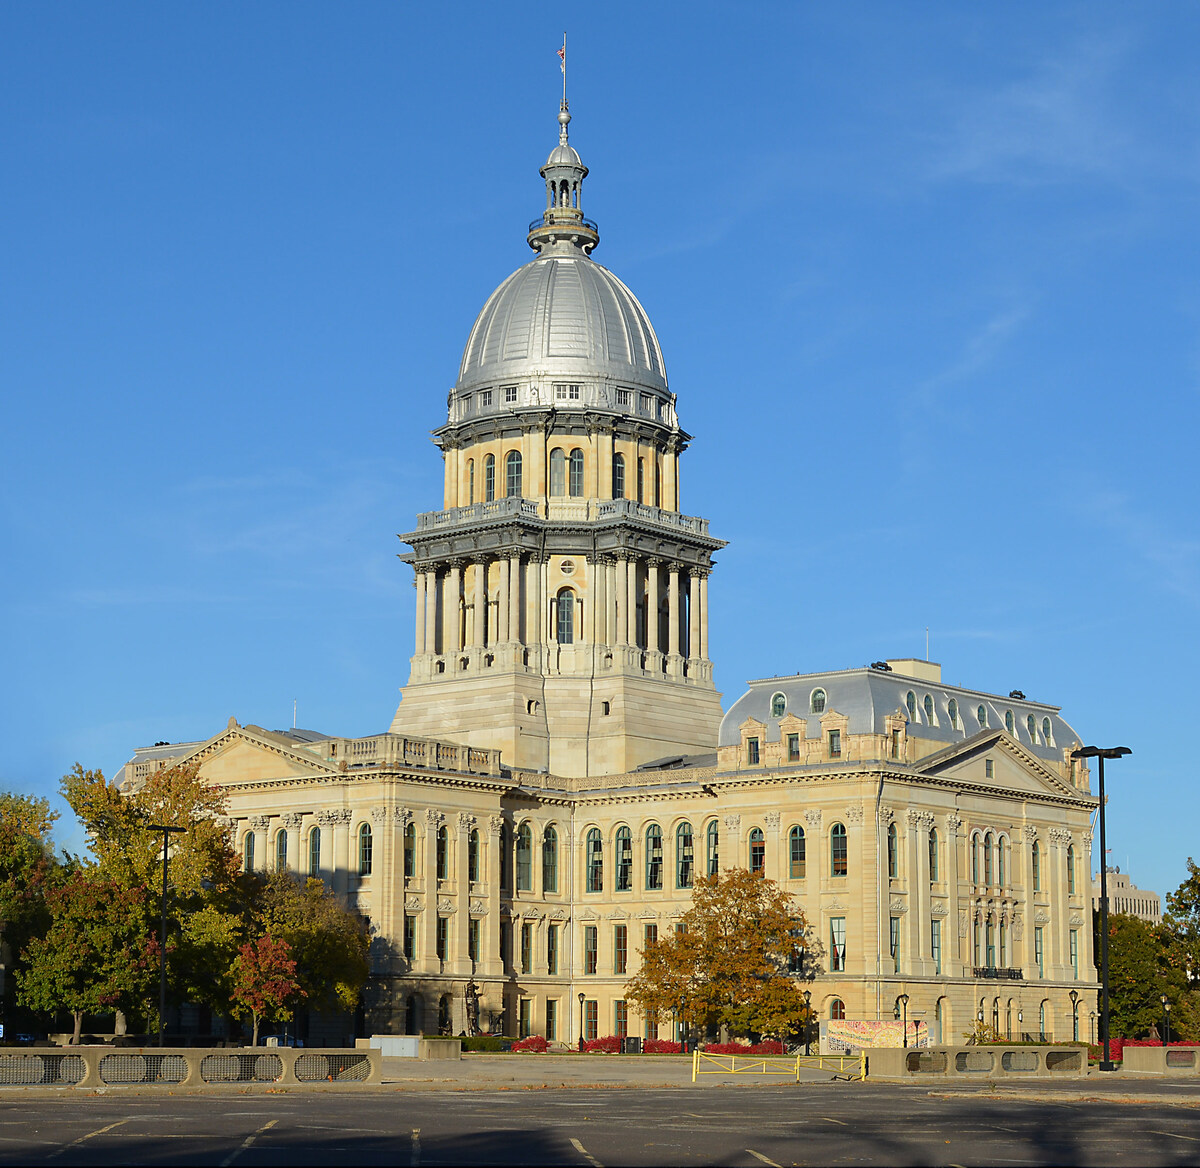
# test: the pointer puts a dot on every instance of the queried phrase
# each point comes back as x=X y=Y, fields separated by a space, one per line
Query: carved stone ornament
x=854 y=813
x=898 y=906
x=964 y=922
x=495 y=824
x=771 y=820
x=589 y=914
x=939 y=909
x=433 y=817
x=733 y=823
x=1076 y=919
x=413 y=903
x=1087 y=839
x=886 y=813
x=1018 y=927
x=479 y=908
x=813 y=817
x=618 y=914
x=835 y=905
x=953 y=823
x=466 y=821
x=1059 y=835
x=559 y=914
x=647 y=914
x=1031 y=832
x=1041 y=918
x=260 y=822
x=379 y=815
x=292 y=820
x=445 y=904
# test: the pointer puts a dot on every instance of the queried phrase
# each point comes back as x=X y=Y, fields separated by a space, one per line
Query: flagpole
x=564 y=65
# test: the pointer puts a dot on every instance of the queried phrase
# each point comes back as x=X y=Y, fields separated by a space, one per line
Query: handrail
x=728 y=1064
x=551 y=220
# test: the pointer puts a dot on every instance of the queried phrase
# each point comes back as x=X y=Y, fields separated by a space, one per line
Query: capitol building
x=559 y=771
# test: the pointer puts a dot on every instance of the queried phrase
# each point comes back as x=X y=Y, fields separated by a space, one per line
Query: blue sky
x=925 y=277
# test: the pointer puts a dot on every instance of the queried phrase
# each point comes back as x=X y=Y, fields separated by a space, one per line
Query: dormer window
x=752 y=752
x=1046 y=731
x=1009 y=722
x=778 y=705
x=1031 y=726
x=981 y=716
x=928 y=704
x=952 y=713
x=910 y=701
x=566 y=393
x=817 y=701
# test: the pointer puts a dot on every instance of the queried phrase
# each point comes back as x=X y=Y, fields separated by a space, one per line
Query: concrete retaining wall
x=413 y=1046
x=100 y=1066
x=1162 y=1060
x=978 y=1062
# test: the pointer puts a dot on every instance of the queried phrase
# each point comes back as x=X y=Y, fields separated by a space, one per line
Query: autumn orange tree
x=729 y=963
x=264 y=980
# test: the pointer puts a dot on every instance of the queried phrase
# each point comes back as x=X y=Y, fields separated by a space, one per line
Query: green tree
x=729 y=964
x=264 y=980
x=1144 y=962
x=98 y=952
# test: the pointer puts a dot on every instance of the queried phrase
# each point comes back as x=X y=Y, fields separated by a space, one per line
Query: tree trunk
x=254 y=1042
x=78 y=1016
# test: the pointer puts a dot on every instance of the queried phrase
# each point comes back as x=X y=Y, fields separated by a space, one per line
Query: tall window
x=712 y=845
x=575 y=481
x=758 y=851
x=443 y=934
x=620 y=948
x=512 y=474
x=281 y=850
x=975 y=859
x=1074 y=938
x=473 y=856
x=835 y=744
x=650 y=935
x=893 y=850
x=525 y=858
x=314 y=852
x=1037 y=867
x=684 y=856
x=1046 y=731
x=991 y=944
x=591 y=947
x=952 y=713
x=410 y=938
x=837 y=944
x=796 y=858
x=1009 y=724
x=778 y=705
x=1003 y=944
x=470 y=480
x=1031 y=726
x=443 y=856
x=837 y=1010
x=248 y=851
x=558 y=472
x=410 y=849
x=928 y=705
x=591 y=1019
x=552 y=949
x=793 y=748
x=566 y=616
x=910 y=700
x=1042 y=1021
x=473 y=939
x=550 y=859
x=987 y=859
x=1039 y=951
x=654 y=856
x=524 y=1021
x=489 y=478
x=894 y=942
x=595 y=861
x=364 y=850
x=1000 y=861
x=620 y=1018
x=618 y=483
x=933 y=854
x=981 y=716
x=551 y=1020
x=838 y=852
x=935 y=944
x=624 y=859
x=1071 y=869
x=527 y=947
x=752 y=752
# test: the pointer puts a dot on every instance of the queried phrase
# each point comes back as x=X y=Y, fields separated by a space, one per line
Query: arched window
x=248 y=852
x=549 y=859
x=1046 y=731
x=443 y=853
x=684 y=856
x=364 y=850
x=910 y=700
x=893 y=850
x=575 y=482
x=796 y=858
x=975 y=859
x=928 y=703
x=712 y=839
x=473 y=856
x=816 y=702
x=758 y=851
x=654 y=856
x=566 y=616
x=839 y=856
x=778 y=705
x=512 y=474
x=624 y=840
x=525 y=858
x=410 y=849
x=981 y=716
x=594 y=861
x=1031 y=726
x=281 y=850
x=314 y=852
x=933 y=853
x=1000 y=861
x=618 y=483
x=641 y=480
x=987 y=859
x=558 y=472
x=1070 y=869
x=505 y=857
x=1009 y=724
x=470 y=480
x=952 y=714
x=837 y=1010
x=489 y=478
x=1037 y=867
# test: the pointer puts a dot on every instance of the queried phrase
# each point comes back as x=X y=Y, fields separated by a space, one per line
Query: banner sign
x=849 y=1036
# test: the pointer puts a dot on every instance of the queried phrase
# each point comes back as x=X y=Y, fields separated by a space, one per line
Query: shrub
x=534 y=1044
x=483 y=1043
x=768 y=1046
x=609 y=1044
x=661 y=1046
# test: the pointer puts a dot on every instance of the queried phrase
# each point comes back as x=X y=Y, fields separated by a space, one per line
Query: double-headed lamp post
x=167 y=831
x=902 y=1004
x=807 y=1020
x=581 y=1000
x=1101 y=753
x=1166 y=1020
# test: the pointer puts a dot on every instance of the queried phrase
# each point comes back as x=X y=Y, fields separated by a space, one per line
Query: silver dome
x=563 y=317
x=563 y=155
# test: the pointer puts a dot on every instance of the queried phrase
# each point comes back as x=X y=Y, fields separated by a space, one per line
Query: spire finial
x=564 y=113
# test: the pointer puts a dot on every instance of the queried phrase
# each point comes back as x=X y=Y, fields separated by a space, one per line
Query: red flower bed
x=534 y=1044
x=770 y=1046
x=1117 y=1046
x=609 y=1044
x=661 y=1046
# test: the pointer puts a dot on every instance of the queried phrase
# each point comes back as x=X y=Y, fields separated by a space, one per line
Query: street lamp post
x=167 y=831
x=807 y=1020
x=1166 y=1020
x=581 y=999
x=1074 y=996
x=902 y=1004
x=1092 y=1026
x=1101 y=753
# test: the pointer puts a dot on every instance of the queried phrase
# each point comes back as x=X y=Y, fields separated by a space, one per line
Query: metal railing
x=552 y=220
x=853 y=1067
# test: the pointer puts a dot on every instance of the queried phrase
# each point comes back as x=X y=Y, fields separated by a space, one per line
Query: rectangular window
x=895 y=744
x=551 y=1020
x=473 y=940
x=796 y=854
x=527 y=948
x=793 y=748
x=410 y=938
x=591 y=946
x=935 y=944
x=1003 y=945
x=835 y=744
x=620 y=948
x=620 y=1018
x=977 y=943
x=1039 y=952
x=410 y=850
x=651 y=935
x=566 y=393
x=485 y=397
x=650 y=1030
x=524 y=1019
x=991 y=945
x=510 y=393
x=648 y=404
x=443 y=931
x=989 y=768
x=591 y=1019
x=552 y=950
x=837 y=944
x=1075 y=953
x=506 y=945
x=625 y=397
x=1037 y=868
x=894 y=934
x=752 y=752
x=473 y=857
x=933 y=855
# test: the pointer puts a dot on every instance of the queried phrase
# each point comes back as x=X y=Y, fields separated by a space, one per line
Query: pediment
x=239 y=756
x=1015 y=768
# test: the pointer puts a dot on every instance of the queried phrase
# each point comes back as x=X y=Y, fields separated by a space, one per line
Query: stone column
x=652 y=605
x=430 y=610
x=776 y=857
x=462 y=900
x=816 y=861
x=514 y=598
x=489 y=939
x=610 y=598
x=693 y=625
x=674 y=661
x=259 y=825
x=479 y=624
x=449 y=466
x=594 y=615
x=547 y=634
x=532 y=603
x=428 y=949
x=621 y=599
x=916 y=877
x=703 y=606
x=631 y=581
x=419 y=622
x=451 y=612
x=341 y=850
x=291 y=822
x=500 y=632
x=671 y=476
x=955 y=926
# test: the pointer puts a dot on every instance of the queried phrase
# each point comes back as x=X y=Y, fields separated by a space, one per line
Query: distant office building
x=1126 y=897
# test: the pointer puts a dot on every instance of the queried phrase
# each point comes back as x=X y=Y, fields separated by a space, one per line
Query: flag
x=562 y=56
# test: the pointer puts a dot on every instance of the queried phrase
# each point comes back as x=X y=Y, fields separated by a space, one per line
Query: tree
x=1144 y=962
x=729 y=963
x=1183 y=918
x=264 y=980
x=27 y=868
x=97 y=954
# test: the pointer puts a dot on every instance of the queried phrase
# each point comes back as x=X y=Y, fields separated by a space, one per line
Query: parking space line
x=247 y=1142
x=585 y=1153
x=74 y=1143
x=764 y=1159
x=1176 y=1136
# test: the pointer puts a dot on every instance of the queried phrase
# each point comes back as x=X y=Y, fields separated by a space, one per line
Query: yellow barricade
x=854 y=1067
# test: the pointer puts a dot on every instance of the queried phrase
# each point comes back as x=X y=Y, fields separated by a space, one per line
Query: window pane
x=558 y=472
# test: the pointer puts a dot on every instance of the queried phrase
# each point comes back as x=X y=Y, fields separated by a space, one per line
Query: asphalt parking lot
x=826 y=1123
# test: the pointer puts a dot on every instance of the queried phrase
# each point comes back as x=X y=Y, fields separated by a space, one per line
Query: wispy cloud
x=976 y=353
